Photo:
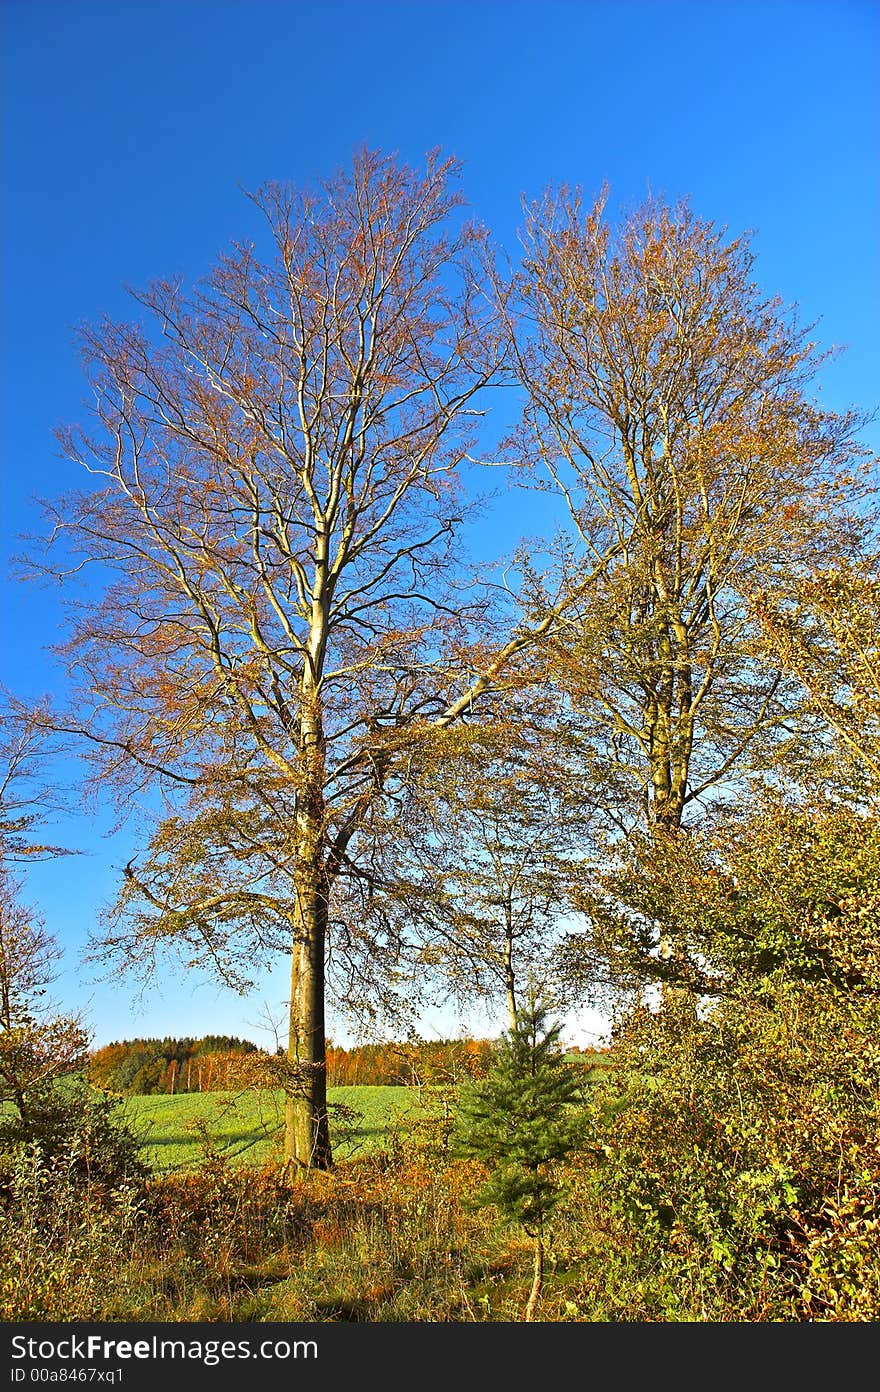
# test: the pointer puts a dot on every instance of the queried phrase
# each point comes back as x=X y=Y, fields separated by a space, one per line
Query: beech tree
x=28 y=798
x=501 y=884
x=38 y=1043
x=272 y=623
x=486 y=858
x=826 y=633
x=670 y=409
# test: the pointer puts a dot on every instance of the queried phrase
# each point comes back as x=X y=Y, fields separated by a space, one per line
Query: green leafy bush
x=736 y=1168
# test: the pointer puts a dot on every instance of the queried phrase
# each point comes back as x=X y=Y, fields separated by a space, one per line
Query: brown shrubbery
x=388 y=1237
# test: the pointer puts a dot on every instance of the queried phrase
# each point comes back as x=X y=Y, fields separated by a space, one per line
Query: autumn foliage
x=219 y=1064
x=632 y=762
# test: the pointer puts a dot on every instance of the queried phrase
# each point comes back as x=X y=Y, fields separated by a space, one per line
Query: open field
x=179 y=1131
x=394 y=1232
x=244 y=1127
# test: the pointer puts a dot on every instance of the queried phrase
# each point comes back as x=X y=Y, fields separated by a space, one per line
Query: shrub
x=78 y=1131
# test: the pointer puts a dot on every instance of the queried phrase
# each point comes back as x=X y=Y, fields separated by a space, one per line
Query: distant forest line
x=144 y=1067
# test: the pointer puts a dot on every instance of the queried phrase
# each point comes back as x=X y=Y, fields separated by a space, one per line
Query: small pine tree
x=518 y=1121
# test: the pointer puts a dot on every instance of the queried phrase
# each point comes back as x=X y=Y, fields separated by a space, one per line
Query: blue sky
x=130 y=129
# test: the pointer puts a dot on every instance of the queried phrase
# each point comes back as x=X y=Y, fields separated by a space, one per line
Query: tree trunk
x=307 y=1131
x=668 y=807
x=671 y=723
x=19 y=1102
x=537 y=1277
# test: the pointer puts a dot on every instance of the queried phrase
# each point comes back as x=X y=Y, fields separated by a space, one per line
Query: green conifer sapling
x=520 y=1120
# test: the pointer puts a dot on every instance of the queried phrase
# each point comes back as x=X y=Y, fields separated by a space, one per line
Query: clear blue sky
x=129 y=129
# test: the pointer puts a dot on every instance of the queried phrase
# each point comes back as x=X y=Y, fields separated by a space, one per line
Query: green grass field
x=178 y=1132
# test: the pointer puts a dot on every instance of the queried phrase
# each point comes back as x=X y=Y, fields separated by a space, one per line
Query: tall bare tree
x=270 y=520
x=28 y=796
x=37 y=1043
x=826 y=633
x=490 y=836
x=670 y=408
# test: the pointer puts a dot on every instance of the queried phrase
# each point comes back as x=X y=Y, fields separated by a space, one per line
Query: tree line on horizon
x=137 y=1067
x=150 y=1066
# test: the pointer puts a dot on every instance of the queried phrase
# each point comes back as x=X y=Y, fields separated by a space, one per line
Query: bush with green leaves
x=66 y=1247
x=737 y=1164
x=76 y=1129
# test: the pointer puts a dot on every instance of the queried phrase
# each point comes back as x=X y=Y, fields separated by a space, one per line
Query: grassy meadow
x=218 y=1234
x=218 y=1231
x=179 y=1132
